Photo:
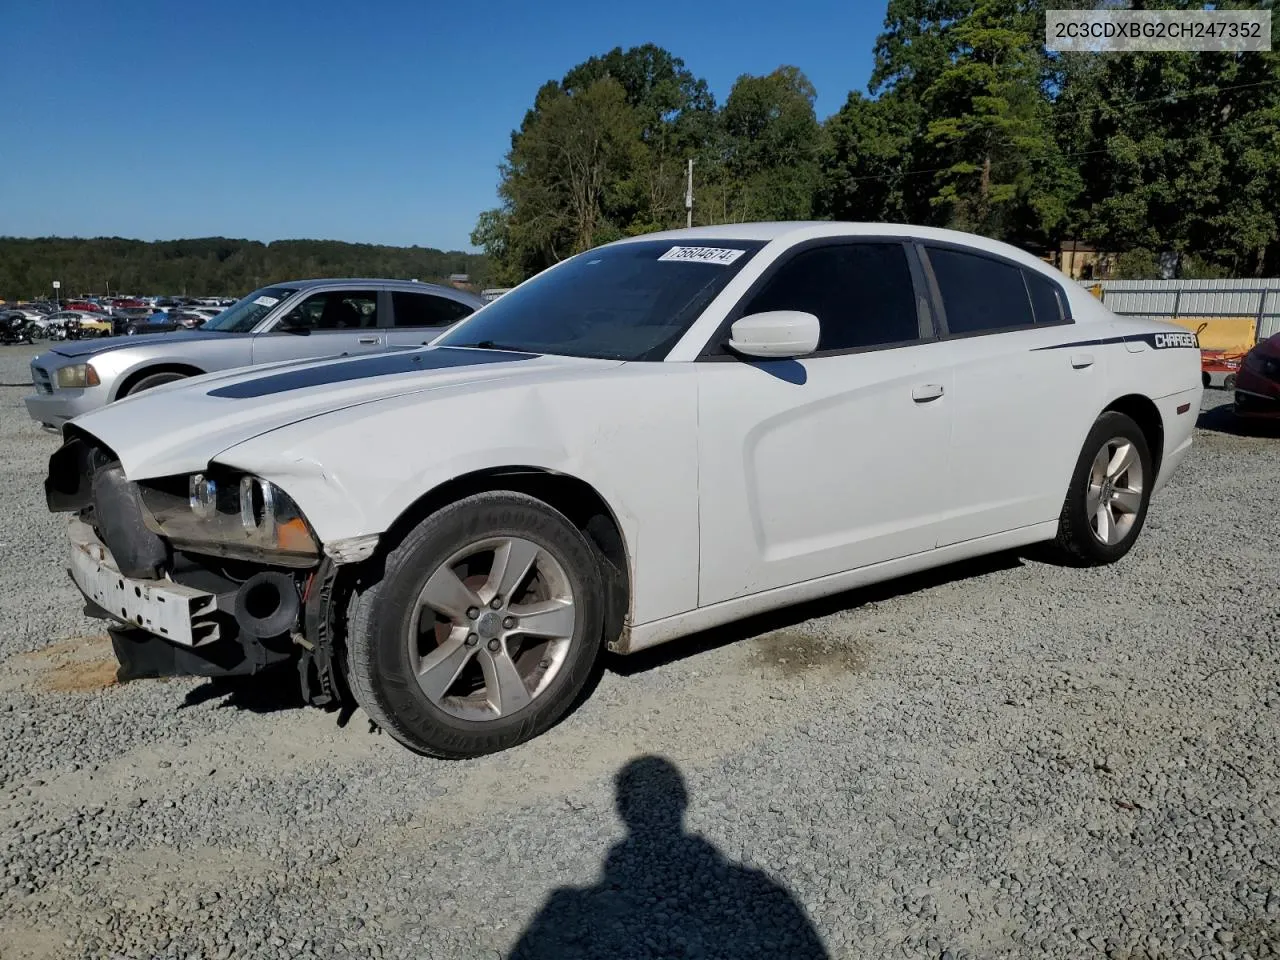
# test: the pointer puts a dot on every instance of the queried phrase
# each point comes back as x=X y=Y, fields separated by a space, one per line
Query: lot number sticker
x=267 y=301
x=721 y=255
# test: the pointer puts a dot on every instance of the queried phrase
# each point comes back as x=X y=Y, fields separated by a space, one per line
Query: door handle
x=370 y=340
x=926 y=392
x=1081 y=360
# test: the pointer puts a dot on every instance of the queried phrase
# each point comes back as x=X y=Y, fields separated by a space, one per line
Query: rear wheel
x=1106 y=503
x=154 y=380
x=482 y=632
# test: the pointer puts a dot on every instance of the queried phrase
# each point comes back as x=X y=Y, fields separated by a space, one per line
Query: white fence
x=1163 y=299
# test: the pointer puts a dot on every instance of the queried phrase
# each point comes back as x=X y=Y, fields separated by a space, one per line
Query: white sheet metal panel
x=1207 y=297
x=1162 y=299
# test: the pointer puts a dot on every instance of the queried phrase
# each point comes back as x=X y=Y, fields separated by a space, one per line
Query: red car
x=1258 y=382
x=84 y=305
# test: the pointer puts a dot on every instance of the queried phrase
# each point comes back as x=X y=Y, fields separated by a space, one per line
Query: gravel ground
x=999 y=759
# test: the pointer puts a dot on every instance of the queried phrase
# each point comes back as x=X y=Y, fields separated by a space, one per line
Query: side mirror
x=775 y=334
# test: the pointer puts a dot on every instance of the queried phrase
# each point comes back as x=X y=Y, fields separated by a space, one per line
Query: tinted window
x=1046 y=302
x=425 y=310
x=979 y=293
x=861 y=294
x=629 y=301
x=336 y=310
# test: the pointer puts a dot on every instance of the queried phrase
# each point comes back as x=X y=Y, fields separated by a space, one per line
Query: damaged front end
x=209 y=574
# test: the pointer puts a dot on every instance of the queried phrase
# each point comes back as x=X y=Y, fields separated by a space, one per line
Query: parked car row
x=445 y=512
x=122 y=306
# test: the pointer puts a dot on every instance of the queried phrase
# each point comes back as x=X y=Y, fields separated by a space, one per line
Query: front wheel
x=1106 y=503
x=154 y=380
x=483 y=630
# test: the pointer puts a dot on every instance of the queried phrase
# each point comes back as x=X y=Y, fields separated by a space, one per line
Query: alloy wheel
x=491 y=628
x=1114 y=496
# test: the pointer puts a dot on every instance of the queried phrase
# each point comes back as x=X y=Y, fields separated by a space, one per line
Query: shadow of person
x=665 y=893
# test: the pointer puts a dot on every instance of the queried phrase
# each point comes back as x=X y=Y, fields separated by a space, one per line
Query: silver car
x=286 y=321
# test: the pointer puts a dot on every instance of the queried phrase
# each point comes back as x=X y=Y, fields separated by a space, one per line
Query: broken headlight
x=230 y=515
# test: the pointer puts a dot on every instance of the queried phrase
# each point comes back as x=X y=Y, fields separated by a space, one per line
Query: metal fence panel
x=1161 y=299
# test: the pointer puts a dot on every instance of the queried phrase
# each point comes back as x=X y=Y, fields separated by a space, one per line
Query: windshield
x=632 y=301
x=244 y=315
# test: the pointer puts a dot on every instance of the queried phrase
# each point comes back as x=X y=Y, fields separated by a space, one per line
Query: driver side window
x=861 y=293
x=335 y=310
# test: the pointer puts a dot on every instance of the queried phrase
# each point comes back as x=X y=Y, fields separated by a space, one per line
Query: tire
x=1229 y=382
x=387 y=651
x=154 y=380
x=1084 y=537
x=1204 y=379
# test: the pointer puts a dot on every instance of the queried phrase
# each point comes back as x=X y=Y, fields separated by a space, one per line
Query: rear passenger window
x=978 y=293
x=1046 y=301
x=425 y=310
x=861 y=294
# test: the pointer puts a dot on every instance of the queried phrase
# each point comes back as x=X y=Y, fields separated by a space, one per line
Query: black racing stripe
x=1157 y=341
x=362 y=368
x=1080 y=343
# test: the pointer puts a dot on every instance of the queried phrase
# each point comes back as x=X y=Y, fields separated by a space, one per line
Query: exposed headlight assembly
x=77 y=375
x=238 y=516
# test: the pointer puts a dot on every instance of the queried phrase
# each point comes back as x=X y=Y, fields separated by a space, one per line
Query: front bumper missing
x=170 y=629
x=180 y=614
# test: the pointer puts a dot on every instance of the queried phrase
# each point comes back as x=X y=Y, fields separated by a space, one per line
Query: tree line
x=1170 y=160
x=212 y=266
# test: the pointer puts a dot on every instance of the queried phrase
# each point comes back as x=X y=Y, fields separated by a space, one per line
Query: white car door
x=328 y=323
x=837 y=460
x=1024 y=398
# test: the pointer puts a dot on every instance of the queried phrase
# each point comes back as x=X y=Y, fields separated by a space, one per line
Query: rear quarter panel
x=1161 y=361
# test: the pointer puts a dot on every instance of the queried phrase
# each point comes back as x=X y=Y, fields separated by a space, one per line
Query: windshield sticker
x=721 y=255
x=267 y=301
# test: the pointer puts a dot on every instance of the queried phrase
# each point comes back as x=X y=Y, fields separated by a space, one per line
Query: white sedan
x=651 y=438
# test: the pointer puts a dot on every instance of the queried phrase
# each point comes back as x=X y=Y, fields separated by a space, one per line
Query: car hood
x=182 y=426
x=86 y=348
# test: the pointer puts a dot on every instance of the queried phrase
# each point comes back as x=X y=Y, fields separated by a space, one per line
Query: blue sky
x=375 y=122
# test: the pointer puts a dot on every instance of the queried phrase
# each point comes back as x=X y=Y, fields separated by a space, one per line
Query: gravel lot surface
x=1000 y=759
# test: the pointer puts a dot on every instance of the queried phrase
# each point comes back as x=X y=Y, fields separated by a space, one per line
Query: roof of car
x=356 y=281
x=795 y=231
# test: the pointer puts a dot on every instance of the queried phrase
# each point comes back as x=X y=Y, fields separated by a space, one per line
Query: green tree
x=212 y=266
x=967 y=85
x=675 y=117
x=866 y=147
x=1002 y=174
x=562 y=181
x=770 y=148
x=1179 y=153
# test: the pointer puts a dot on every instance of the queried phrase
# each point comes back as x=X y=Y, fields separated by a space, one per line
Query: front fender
x=354 y=472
